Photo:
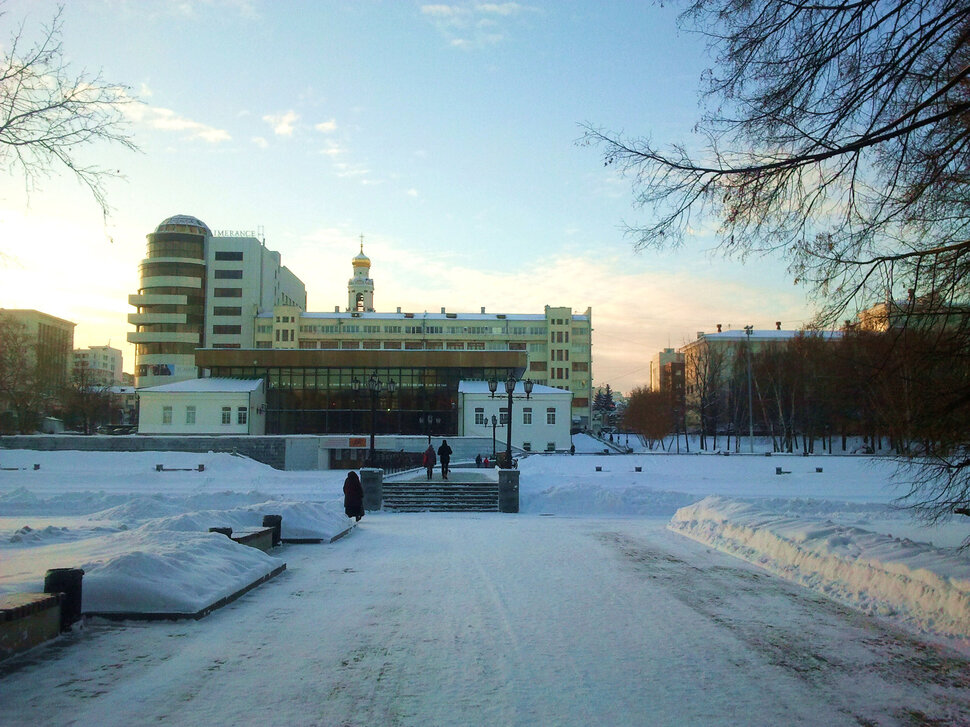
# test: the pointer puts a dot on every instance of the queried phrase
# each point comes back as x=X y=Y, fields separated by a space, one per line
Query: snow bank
x=154 y=571
x=924 y=587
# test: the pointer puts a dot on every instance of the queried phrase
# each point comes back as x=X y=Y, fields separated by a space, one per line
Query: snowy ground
x=583 y=608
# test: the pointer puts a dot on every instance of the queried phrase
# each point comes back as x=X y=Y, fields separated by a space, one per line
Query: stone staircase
x=458 y=494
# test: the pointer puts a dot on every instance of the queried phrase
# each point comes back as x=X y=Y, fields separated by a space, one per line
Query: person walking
x=478 y=460
x=428 y=460
x=353 y=496
x=444 y=454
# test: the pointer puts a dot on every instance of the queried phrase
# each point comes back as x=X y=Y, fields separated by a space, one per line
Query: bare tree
x=651 y=414
x=838 y=135
x=48 y=113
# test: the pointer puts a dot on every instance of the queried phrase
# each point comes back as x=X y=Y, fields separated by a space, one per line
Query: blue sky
x=444 y=133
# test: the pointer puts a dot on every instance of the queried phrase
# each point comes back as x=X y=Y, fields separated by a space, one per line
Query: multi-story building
x=35 y=360
x=557 y=342
x=202 y=290
x=660 y=368
x=97 y=366
x=50 y=344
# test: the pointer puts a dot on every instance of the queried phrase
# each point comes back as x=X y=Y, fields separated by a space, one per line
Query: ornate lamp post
x=374 y=385
x=510 y=383
x=494 y=422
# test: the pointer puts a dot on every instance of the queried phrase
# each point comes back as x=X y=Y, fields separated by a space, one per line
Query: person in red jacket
x=353 y=496
x=429 y=460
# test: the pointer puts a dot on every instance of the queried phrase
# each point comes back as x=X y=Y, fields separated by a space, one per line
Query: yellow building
x=557 y=342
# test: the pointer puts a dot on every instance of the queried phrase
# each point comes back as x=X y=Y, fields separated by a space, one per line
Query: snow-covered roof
x=481 y=387
x=425 y=316
x=212 y=385
x=739 y=334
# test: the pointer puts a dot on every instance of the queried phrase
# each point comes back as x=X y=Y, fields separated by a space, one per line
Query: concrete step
x=441 y=497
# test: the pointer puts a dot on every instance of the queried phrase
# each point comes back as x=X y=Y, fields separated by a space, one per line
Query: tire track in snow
x=877 y=673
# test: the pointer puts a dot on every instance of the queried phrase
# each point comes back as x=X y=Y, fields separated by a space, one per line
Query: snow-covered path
x=515 y=620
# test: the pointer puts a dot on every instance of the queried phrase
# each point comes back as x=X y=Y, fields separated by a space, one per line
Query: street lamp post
x=747 y=332
x=374 y=385
x=510 y=383
x=494 y=423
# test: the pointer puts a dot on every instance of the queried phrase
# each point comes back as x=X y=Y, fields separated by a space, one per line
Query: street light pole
x=494 y=422
x=510 y=383
x=747 y=332
x=374 y=385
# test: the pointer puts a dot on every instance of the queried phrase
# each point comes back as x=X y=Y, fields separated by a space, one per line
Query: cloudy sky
x=444 y=133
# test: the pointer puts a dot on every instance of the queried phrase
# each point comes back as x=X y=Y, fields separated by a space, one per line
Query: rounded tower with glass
x=170 y=304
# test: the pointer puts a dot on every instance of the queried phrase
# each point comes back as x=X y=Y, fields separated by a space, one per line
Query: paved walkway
x=493 y=619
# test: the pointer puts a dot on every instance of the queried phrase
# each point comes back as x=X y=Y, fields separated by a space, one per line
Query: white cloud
x=327 y=126
x=282 y=123
x=472 y=25
x=164 y=119
x=412 y=192
x=332 y=149
x=260 y=142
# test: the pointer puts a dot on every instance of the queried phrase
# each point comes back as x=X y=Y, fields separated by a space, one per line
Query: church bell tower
x=360 y=289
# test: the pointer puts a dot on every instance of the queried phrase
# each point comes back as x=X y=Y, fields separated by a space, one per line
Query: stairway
x=451 y=496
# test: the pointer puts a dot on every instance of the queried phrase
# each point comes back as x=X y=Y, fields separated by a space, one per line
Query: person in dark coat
x=478 y=460
x=353 y=496
x=428 y=460
x=444 y=454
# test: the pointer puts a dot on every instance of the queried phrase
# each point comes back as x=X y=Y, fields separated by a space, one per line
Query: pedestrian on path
x=428 y=460
x=353 y=496
x=444 y=454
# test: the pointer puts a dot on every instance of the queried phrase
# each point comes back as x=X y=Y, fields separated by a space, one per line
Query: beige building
x=660 y=368
x=51 y=343
x=557 y=342
x=97 y=366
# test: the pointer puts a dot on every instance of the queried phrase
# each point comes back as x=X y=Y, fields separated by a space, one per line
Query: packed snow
x=589 y=606
x=141 y=535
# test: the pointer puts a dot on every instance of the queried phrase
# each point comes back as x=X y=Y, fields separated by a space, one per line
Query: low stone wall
x=268 y=450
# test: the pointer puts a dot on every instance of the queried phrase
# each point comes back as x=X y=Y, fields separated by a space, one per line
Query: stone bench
x=27 y=620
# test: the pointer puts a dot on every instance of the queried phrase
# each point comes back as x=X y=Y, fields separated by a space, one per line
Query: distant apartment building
x=557 y=343
x=97 y=366
x=660 y=368
x=914 y=312
x=35 y=360
x=202 y=290
x=50 y=345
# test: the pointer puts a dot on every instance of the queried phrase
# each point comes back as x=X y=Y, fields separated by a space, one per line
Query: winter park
x=472 y=363
x=703 y=589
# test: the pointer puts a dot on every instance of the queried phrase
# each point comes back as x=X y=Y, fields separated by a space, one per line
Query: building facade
x=50 y=343
x=540 y=423
x=97 y=366
x=660 y=368
x=199 y=290
x=557 y=343
x=203 y=406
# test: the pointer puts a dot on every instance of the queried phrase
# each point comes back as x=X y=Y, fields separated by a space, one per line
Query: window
x=537 y=365
x=479 y=416
x=527 y=415
x=227 y=415
x=228 y=275
x=227 y=292
x=503 y=416
x=527 y=446
x=166 y=415
x=550 y=446
x=190 y=415
x=228 y=310
x=241 y=415
x=227 y=330
x=229 y=255
x=551 y=415
x=580 y=366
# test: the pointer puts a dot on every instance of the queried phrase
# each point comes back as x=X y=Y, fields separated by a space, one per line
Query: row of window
x=228 y=274
x=242 y=415
x=482 y=420
x=229 y=255
x=425 y=329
